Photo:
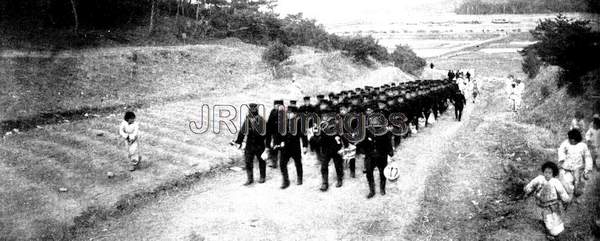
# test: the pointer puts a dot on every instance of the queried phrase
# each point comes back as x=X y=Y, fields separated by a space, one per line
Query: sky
x=347 y=11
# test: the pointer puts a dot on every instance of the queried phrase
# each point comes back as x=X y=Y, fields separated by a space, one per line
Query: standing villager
x=254 y=132
x=475 y=90
x=549 y=193
x=130 y=131
x=575 y=161
x=291 y=148
x=592 y=136
x=578 y=123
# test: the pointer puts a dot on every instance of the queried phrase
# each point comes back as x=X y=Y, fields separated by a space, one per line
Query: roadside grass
x=553 y=111
x=515 y=153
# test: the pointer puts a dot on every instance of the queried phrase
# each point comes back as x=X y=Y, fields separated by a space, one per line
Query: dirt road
x=222 y=209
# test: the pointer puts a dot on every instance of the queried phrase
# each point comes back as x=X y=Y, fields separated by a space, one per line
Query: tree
x=569 y=44
x=153 y=2
x=361 y=48
x=276 y=54
x=75 y=16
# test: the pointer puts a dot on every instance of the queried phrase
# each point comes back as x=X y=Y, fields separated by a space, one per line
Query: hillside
x=167 y=87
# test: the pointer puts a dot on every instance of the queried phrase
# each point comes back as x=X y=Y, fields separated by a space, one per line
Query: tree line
x=252 y=21
x=526 y=6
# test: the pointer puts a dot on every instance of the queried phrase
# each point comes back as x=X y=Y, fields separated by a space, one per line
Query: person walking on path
x=575 y=162
x=549 y=192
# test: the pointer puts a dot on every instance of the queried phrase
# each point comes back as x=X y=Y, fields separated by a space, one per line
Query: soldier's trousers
x=458 y=113
x=273 y=157
x=283 y=163
x=397 y=140
x=373 y=161
x=338 y=162
x=262 y=164
x=426 y=114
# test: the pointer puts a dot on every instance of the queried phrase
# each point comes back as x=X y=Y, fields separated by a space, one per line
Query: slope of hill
x=168 y=85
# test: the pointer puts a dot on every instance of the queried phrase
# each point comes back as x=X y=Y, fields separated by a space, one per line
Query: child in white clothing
x=575 y=161
x=129 y=130
x=549 y=193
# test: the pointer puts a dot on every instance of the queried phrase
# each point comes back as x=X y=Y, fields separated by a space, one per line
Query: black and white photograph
x=325 y=120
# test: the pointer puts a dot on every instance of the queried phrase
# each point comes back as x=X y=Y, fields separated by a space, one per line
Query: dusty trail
x=222 y=209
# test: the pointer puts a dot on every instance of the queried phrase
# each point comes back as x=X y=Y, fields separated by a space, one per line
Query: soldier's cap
x=292 y=109
x=325 y=102
x=306 y=98
x=320 y=96
x=357 y=89
x=293 y=102
x=252 y=106
x=331 y=94
x=278 y=102
x=382 y=102
x=393 y=84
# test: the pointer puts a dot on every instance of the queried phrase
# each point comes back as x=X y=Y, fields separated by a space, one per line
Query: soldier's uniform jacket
x=252 y=128
x=304 y=112
x=376 y=145
x=273 y=125
x=292 y=141
x=459 y=100
x=326 y=145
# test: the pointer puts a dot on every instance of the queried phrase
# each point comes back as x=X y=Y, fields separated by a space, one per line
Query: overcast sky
x=343 y=11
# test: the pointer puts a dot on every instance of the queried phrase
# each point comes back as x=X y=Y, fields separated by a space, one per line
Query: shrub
x=545 y=91
x=406 y=59
x=275 y=54
x=361 y=48
x=531 y=62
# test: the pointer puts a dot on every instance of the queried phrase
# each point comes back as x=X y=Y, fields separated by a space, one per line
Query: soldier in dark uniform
x=377 y=148
x=350 y=135
x=320 y=98
x=327 y=145
x=254 y=130
x=290 y=147
x=451 y=75
x=305 y=111
x=426 y=104
x=276 y=116
x=459 y=103
x=414 y=109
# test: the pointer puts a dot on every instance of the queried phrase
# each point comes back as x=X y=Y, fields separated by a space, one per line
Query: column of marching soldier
x=367 y=122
